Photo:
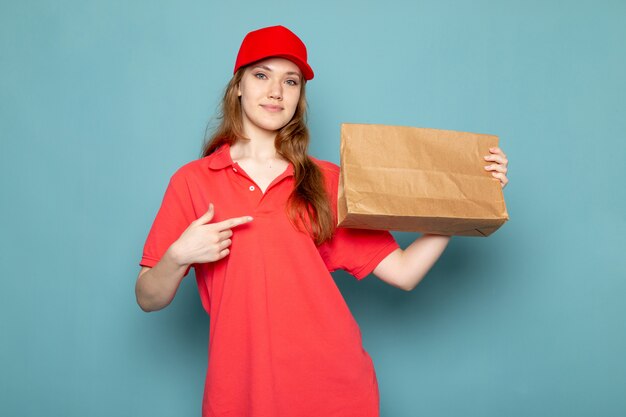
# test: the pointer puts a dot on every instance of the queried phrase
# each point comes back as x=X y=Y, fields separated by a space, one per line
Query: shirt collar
x=221 y=158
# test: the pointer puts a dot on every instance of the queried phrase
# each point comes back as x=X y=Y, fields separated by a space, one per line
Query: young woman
x=256 y=219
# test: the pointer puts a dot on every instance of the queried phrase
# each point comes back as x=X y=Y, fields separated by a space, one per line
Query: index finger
x=230 y=223
x=496 y=150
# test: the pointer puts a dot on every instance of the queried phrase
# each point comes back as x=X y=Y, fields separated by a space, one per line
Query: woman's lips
x=271 y=108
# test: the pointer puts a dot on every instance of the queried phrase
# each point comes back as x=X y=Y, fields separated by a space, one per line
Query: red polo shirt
x=282 y=342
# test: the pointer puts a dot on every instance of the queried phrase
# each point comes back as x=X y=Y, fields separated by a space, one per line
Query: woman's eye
x=260 y=76
x=292 y=82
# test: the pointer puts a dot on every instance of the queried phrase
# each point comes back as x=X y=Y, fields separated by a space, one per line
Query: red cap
x=273 y=41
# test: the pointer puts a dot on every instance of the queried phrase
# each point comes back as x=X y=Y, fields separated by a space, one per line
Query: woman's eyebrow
x=265 y=67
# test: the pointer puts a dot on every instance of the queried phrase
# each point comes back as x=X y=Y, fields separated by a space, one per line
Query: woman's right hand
x=204 y=241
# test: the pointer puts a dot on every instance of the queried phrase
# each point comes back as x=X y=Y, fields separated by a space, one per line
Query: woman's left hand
x=499 y=167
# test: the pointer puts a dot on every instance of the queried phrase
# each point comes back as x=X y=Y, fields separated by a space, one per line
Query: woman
x=255 y=217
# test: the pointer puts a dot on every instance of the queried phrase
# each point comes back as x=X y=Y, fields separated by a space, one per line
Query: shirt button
x=251 y=188
x=235 y=169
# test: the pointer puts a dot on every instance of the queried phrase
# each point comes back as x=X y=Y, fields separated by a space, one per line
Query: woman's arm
x=156 y=287
x=201 y=242
x=406 y=268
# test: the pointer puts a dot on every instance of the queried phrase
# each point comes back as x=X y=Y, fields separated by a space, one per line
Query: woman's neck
x=260 y=146
x=251 y=149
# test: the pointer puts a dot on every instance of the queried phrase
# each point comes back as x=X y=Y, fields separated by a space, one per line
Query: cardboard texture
x=418 y=180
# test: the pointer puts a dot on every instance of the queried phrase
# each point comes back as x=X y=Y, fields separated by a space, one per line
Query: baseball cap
x=273 y=41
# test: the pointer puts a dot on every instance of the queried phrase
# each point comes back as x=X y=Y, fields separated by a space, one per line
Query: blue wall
x=102 y=100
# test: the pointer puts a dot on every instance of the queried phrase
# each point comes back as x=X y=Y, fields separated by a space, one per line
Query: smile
x=271 y=108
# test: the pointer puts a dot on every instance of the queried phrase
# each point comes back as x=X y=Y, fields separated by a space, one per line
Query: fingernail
x=249 y=218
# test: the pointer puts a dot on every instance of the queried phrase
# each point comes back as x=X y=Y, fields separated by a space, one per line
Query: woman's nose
x=276 y=90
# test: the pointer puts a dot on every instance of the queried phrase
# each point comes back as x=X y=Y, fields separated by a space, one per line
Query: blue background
x=101 y=101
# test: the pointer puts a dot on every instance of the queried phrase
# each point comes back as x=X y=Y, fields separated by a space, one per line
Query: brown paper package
x=418 y=180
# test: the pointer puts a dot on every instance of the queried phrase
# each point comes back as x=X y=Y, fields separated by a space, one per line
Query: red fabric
x=282 y=340
x=273 y=41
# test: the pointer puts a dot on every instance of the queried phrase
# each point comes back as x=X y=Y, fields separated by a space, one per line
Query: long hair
x=308 y=207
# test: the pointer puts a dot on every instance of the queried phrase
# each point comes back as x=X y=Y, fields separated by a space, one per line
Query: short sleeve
x=174 y=216
x=357 y=251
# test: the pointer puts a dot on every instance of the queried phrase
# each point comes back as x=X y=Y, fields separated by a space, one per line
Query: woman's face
x=269 y=92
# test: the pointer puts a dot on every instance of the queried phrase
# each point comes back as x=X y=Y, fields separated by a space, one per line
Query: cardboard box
x=418 y=180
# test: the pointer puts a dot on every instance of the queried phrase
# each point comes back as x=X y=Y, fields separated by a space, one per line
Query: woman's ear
x=239 y=89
